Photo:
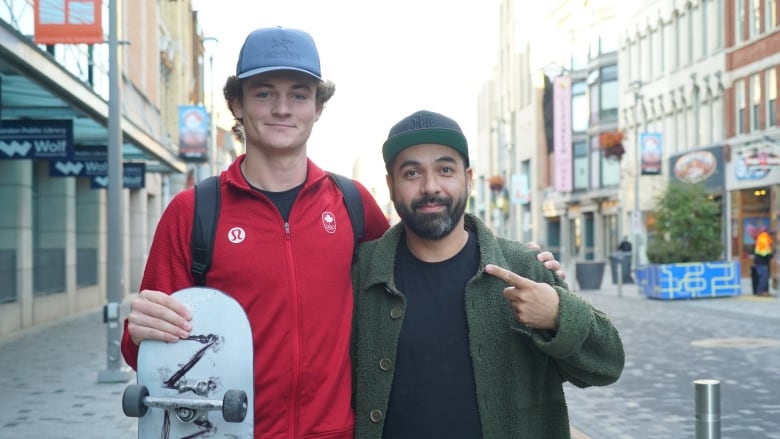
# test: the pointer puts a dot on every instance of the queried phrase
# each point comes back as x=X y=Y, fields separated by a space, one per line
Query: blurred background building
x=597 y=105
x=54 y=108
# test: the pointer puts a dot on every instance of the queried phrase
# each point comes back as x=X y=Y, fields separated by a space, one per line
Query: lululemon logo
x=329 y=222
x=236 y=235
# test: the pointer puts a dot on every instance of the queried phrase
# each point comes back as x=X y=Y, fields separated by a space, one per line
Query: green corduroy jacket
x=519 y=371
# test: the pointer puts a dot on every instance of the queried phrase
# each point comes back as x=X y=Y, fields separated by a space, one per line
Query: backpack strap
x=204 y=227
x=354 y=203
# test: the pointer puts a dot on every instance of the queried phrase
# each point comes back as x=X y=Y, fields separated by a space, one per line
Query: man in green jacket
x=459 y=333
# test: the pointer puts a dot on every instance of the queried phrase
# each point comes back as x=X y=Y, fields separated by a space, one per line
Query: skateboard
x=201 y=386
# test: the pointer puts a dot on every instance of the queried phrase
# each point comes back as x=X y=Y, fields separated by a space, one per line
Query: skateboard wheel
x=234 y=406
x=133 y=400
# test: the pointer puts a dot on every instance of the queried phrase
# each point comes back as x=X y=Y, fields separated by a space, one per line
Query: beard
x=432 y=226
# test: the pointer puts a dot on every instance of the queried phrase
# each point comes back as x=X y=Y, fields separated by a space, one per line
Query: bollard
x=707 y=409
x=620 y=274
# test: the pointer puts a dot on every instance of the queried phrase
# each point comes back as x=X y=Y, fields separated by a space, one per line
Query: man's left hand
x=548 y=259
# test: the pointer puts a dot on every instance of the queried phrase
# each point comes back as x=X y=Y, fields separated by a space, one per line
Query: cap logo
x=422 y=121
x=283 y=43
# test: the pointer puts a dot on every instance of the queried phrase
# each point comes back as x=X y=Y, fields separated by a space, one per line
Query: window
x=689 y=35
x=610 y=95
x=676 y=39
x=644 y=58
x=696 y=37
x=651 y=54
x=770 y=15
x=739 y=102
x=595 y=162
x=579 y=107
x=739 y=21
x=755 y=18
x=718 y=25
x=580 y=166
x=610 y=172
x=660 y=52
x=705 y=28
x=755 y=102
x=594 y=98
x=771 y=97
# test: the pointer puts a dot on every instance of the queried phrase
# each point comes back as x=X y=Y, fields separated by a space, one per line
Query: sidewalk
x=49 y=381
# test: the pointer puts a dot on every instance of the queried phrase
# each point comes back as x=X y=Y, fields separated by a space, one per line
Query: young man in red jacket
x=288 y=270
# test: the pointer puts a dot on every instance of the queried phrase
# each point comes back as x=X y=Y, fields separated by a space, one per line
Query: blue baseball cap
x=278 y=48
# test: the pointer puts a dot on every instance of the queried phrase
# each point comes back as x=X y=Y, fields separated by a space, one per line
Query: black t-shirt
x=283 y=200
x=433 y=393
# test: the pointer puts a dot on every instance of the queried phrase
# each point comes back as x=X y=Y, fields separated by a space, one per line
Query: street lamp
x=209 y=47
x=636 y=86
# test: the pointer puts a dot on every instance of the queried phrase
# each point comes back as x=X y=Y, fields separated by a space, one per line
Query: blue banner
x=193 y=133
x=36 y=139
x=133 y=177
x=651 y=145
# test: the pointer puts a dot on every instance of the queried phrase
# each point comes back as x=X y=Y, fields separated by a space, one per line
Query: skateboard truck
x=136 y=401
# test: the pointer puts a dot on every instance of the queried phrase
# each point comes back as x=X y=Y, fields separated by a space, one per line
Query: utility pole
x=115 y=263
x=636 y=86
x=209 y=46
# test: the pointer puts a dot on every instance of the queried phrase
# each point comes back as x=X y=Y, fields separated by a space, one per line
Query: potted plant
x=685 y=253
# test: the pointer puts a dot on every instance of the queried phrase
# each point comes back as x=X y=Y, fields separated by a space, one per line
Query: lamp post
x=114 y=279
x=209 y=47
x=636 y=86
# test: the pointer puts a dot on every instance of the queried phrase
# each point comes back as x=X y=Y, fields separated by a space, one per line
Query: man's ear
x=389 y=180
x=236 y=108
x=469 y=179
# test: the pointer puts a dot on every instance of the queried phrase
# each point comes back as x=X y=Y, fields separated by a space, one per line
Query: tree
x=688 y=225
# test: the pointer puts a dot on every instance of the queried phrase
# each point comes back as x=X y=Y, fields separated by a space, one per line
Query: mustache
x=433 y=199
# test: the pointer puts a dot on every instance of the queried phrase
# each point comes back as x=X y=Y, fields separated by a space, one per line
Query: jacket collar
x=380 y=269
x=234 y=176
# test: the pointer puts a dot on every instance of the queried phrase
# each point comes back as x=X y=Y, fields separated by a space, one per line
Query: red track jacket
x=294 y=282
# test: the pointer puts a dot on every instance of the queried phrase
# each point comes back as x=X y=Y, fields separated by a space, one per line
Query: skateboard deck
x=201 y=386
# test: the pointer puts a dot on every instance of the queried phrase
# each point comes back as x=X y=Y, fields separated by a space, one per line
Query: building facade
x=671 y=82
x=55 y=97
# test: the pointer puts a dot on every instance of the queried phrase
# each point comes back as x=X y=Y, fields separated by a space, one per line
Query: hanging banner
x=193 y=133
x=68 y=22
x=133 y=177
x=36 y=139
x=651 y=149
x=562 y=134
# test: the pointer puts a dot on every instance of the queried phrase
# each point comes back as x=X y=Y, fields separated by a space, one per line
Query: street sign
x=133 y=177
x=36 y=139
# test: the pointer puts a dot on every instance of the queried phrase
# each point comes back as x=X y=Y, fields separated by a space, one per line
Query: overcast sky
x=387 y=59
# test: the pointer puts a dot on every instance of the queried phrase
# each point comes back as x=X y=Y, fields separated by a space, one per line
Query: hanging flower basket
x=611 y=143
x=496 y=183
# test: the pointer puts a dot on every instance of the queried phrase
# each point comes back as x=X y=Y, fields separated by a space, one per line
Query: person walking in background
x=625 y=245
x=291 y=270
x=762 y=256
x=459 y=333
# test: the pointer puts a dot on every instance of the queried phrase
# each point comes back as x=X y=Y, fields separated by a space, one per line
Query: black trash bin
x=624 y=259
